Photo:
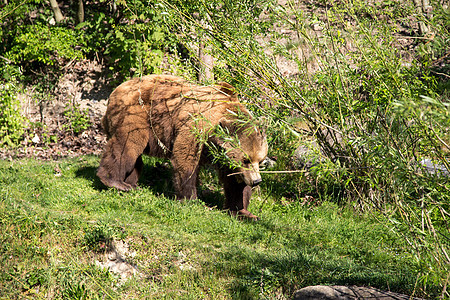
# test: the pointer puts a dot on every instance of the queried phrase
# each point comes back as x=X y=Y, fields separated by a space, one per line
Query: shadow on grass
x=157 y=176
x=159 y=179
x=89 y=173
x=261 y=274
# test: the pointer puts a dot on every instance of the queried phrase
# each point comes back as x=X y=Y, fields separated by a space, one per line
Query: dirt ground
x=83 y=85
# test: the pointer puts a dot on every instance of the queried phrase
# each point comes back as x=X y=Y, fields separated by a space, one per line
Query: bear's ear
x=223 y=128
x=227 y=124
x=226 y=88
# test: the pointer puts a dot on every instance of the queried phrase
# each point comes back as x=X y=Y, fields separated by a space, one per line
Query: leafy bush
x=12 y=123
x=131 y=37
x=44 y=44
x=133 y=43
x=374 y=109
x=10 y=72
x=77 y=119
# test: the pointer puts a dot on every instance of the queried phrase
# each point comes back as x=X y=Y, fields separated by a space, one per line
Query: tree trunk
x=206 y=61
x=58 y=15
x=80 y=13
x=206 y=64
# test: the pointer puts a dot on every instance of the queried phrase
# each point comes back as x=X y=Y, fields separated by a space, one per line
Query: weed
x=77 y=119
x=100 y=236
x=12 y=123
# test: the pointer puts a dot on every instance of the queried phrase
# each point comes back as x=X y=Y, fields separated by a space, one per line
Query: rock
x=307 y=156
x=115 y=260
x=321 y=292
x=122 y=267
x=432 y=168
x=316 y=27
x=268 y=163
x=311 y=152
x=36 y=139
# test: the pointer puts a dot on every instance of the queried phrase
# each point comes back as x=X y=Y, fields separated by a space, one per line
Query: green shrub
x=77 y=119
x=12 y=123
x=44 y=44
x=133 y=44
x=9 y=71
x=374 y=109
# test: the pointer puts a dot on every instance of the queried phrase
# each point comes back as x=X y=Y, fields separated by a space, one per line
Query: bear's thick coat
x=163 y=116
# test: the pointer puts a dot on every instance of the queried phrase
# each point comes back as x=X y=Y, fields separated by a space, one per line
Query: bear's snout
x=251 y=179
x=256 y=182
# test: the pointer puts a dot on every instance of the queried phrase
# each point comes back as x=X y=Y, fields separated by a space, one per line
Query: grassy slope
x=47 y=236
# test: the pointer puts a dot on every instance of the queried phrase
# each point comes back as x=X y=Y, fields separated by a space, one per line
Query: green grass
x=56 y=217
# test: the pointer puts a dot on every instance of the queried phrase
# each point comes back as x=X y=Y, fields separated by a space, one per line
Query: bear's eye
x=246 y=161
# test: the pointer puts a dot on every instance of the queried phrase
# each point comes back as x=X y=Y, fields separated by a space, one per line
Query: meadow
x=58 y=223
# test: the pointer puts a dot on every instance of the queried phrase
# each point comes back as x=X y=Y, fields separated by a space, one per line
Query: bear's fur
x=163 y=116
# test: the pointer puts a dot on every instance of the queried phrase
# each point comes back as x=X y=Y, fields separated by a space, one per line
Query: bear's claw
x=243 y=213
x=120 y=185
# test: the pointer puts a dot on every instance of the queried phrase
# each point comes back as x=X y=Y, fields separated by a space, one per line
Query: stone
x=321 y=292
x=434 y=168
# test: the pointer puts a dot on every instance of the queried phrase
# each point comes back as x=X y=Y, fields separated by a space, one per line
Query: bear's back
x=159 y=97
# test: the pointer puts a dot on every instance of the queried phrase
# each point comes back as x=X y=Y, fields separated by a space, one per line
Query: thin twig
x=7 y=60
x=272 y=172
x=12 y=10
x=439 y=73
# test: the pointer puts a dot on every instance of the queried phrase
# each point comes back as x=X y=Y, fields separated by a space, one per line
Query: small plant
x=35 y=277
x=75 y=291
x=12 y=123
x=77 y=119
x=99 y=237
x=42 y=131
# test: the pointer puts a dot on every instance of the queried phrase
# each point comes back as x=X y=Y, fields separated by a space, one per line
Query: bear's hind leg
x=121 y=162
x=133 y=177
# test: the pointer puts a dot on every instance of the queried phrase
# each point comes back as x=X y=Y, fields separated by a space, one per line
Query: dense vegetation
x=365 y=98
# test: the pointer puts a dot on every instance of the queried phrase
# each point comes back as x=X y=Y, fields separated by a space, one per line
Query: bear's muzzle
x=256 y=182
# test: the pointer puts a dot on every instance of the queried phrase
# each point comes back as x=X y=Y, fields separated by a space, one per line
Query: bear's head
x=245 y=147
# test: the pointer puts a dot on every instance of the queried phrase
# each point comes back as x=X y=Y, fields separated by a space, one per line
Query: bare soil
x=49 y=136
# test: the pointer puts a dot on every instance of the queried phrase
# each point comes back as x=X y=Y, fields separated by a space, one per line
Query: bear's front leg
x=185 y=182
x=237 y=196
x=133 y=177
x=185 y=162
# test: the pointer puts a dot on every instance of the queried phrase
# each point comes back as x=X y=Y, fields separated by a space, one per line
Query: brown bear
x=166 y=116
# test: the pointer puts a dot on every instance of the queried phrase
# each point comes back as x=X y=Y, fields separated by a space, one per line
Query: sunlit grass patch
x=57 y=223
